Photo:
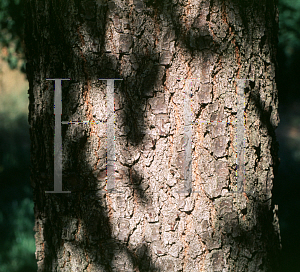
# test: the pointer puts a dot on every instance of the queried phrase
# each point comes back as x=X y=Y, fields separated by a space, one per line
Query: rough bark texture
x=150 y=44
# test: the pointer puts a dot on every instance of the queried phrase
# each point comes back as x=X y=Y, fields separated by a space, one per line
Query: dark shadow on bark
x=265 y=118
x=139 y=186
x=235 y=229
x=263 y=214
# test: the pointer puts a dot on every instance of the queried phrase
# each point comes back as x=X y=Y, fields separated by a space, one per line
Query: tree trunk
x=188 y=196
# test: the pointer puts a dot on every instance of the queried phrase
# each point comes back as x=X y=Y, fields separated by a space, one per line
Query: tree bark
x=162 y=50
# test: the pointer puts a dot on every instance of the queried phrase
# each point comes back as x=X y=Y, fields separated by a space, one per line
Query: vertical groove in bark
x=150 y=44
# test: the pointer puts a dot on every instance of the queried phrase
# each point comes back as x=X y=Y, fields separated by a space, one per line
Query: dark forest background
x=17 y=244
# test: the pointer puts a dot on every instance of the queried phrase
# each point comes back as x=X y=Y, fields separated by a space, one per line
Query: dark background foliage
x=16 y=206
